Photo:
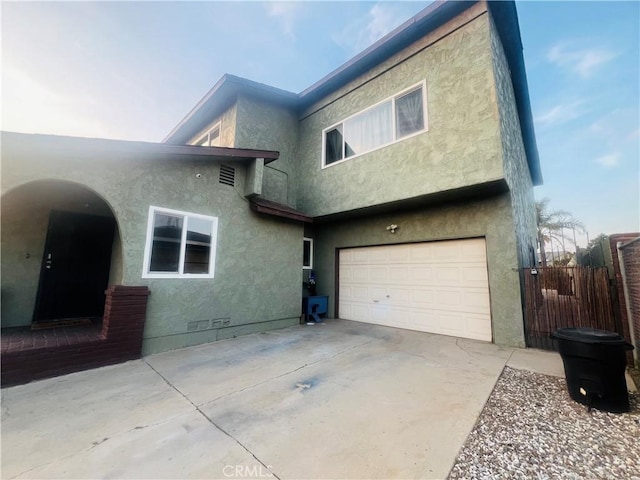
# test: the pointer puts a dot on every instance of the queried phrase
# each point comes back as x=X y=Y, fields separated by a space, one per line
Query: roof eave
x=221 y=97
x=59 y=143
x=268 y=207
x=428 y=19
x=505 y=17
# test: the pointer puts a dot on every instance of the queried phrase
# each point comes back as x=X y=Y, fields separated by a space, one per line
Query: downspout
x=627 y=304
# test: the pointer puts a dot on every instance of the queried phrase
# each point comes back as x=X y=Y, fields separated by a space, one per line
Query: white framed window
x=396 y=118
x=307 y=253
x=211 y=138
x=179 y=244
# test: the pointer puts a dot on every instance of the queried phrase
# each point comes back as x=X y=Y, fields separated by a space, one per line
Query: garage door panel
x=474 y=250
x=399 y=275
x=475 y=273
x=360 y=256
x=446 y=252
x=346 y=274
x=447 y=275
x=448 y=298
x=420 y=273
x=358 y=294
x=421 y=296
x=398 y=295
x=438 y=287
x=360 y=273
x=477 y=300
x=401 y=254
x=421 y=253
x=378 y=274
x=376 y=293
x=360 y=311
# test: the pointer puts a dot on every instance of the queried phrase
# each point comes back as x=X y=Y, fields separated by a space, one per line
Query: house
x=404 y=178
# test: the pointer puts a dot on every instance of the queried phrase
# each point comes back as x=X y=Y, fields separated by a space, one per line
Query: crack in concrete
x=98 y=443
x=430 y=361
x=196 y=408
x=464 y=349
x=212 y=422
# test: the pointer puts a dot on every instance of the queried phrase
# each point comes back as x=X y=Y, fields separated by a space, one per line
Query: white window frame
x=310 y=266
x=207 y=136
x=183 y=244
x=422 y=84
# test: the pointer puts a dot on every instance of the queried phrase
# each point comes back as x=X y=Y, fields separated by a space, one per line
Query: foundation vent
x=227 y=175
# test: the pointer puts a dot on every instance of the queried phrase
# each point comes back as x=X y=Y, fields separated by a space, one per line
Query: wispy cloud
x=583 y=61
x=608 y=161
x=633 y=135
x=366 y=30
x=287 y=13
x=617 y=128
x=561 y=113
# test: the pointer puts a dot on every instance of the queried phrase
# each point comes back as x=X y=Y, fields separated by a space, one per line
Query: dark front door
x=75 y=266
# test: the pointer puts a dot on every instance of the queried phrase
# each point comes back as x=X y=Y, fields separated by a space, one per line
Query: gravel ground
x=531 y=429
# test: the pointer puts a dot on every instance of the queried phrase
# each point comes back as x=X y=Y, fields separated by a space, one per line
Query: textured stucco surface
x=490 y=218
x=461 y=147
x=270 y=127
x=257 y=276
x=516 y=169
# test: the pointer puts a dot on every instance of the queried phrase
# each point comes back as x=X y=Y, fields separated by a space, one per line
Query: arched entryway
x=60 y=251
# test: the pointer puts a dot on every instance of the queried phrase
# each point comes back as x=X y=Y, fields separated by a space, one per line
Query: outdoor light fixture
x=392 y=228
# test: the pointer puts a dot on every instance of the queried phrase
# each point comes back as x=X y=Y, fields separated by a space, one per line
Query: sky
x=133 y=70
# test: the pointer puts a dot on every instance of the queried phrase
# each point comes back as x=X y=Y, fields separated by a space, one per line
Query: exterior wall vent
x=227 y=175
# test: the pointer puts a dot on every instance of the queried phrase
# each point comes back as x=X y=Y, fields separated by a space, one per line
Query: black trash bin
x=594 y=365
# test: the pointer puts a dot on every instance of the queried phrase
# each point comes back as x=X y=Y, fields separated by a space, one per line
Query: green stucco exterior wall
x=462 y=146
x=257 y=275
x=270 y=127
x=489 y=218
x=516 y=169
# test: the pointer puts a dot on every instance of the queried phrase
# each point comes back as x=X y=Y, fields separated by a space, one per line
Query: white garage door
x=437 y=287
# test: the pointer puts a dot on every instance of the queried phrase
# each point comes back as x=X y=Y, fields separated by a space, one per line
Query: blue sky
x=132 y=70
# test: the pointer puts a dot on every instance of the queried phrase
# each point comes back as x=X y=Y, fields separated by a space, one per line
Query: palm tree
x=551 y=226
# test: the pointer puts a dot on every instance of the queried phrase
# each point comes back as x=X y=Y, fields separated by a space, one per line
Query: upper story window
x=211 y=138
x=389 y=121
x=179 y=244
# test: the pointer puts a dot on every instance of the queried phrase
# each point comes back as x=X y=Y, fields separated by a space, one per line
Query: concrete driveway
x=338 y=400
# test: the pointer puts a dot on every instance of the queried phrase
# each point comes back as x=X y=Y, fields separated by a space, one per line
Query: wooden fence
x=557 y=297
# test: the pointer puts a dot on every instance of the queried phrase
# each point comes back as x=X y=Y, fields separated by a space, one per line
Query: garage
x=438 y=287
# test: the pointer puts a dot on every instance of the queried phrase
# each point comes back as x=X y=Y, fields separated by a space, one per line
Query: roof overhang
x=425 y=21
x=56 y=144
x=505 y=17
x=268 y=207
x=220 y=98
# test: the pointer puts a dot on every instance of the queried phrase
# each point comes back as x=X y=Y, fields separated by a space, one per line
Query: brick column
x=125 y=311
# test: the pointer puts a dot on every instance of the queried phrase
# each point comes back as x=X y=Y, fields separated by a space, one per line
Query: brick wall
x=631 y=259
x=622 y=303
x=121 y=340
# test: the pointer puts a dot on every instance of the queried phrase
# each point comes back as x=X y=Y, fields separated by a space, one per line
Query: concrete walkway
x=339 y=400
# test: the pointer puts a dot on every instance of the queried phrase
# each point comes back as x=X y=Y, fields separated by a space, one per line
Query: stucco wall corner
x=516 y=169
